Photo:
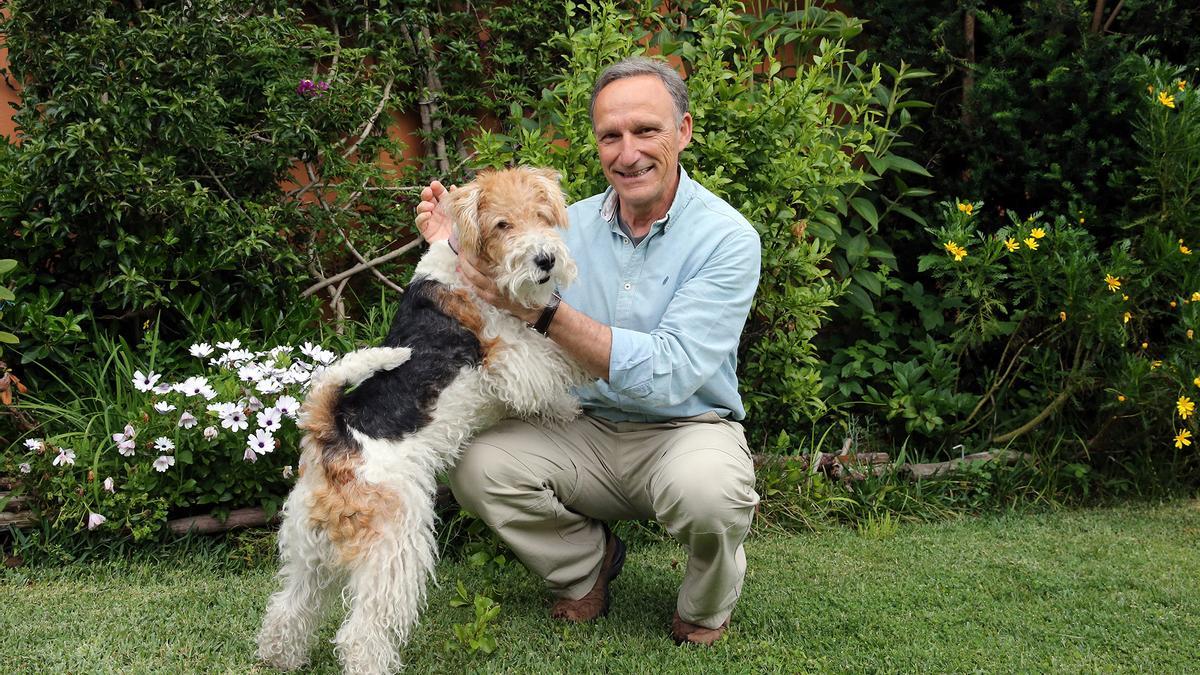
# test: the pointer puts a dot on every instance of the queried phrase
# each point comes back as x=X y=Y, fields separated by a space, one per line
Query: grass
x=1107 y=590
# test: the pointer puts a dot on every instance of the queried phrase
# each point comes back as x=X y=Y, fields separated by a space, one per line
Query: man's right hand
x=433 y=217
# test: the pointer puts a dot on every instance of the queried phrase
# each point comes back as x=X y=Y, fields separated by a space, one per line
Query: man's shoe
x=689 y=633
x=595 y=603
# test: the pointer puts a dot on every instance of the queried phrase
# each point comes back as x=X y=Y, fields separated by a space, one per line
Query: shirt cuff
x=631 y=363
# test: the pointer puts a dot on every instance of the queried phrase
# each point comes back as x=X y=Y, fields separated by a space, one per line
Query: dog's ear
x=464 y=211
x=548 y=180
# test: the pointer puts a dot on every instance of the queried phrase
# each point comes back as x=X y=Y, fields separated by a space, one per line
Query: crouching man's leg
x=702 y=491
x=517 y=477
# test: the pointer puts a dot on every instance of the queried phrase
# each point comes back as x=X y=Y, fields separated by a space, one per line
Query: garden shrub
x=1056 y=320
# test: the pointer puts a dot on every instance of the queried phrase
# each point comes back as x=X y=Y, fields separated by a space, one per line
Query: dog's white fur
x=382 y=579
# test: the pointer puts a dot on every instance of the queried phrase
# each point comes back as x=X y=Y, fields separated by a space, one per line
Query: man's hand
x=486 y=289
x=433 y=217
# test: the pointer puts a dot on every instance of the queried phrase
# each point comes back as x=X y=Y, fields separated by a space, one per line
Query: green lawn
x=1073 y=591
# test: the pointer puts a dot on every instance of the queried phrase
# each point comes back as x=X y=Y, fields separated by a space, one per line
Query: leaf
x=905 y=164
x=8 y=338
x=868 y=280
x=866 y=209
x=7 y=265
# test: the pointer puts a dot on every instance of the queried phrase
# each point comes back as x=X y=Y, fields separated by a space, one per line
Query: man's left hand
x=489 y=292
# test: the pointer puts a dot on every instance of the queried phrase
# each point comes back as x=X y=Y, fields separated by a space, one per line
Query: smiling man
x=667 y=274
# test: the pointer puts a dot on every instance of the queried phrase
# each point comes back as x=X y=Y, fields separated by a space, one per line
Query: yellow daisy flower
x=1031 y=243
x=1155 y=364
x=1121 y=398
x=1062 y=316
x=1185 y=250
x=955 y=250
x=1145 y=345
x=1113 y=282
x=1185 y=406
x=1166 y=100
x=1127 y=317
x=1174 y=304
x=1181 y=84
x=1190 y=334
x=1011 y=244
x=966 y=208
x=1196 y=381
x=1181 y=438
x=1196 y=296
x=1037 y=233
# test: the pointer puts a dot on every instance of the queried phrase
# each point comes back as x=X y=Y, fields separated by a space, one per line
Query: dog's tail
x=318 y=415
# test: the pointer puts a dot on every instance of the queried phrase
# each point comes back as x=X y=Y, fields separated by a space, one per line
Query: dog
x=381 y=423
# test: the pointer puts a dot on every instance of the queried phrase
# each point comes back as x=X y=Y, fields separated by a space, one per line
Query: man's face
x=640 y=142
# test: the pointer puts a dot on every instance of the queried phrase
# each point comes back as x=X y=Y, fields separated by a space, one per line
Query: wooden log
x=14 y=504
x=251 y=517
x=18 y=520
x=919 y=471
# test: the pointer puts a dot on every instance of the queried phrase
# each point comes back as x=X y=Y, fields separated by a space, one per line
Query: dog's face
x=510 y=220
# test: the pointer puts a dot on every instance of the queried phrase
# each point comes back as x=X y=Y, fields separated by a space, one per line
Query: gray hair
x=634 y=66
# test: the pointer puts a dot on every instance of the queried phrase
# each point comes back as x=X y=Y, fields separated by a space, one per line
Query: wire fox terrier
x=383 y=422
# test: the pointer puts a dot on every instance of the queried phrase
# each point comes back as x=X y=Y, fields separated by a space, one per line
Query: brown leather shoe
x=595 y=603
x=689 y=633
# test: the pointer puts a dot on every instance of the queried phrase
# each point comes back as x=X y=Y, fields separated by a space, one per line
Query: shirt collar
x=683 y=194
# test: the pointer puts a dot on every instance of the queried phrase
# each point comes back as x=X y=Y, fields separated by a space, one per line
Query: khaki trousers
x=545 y=489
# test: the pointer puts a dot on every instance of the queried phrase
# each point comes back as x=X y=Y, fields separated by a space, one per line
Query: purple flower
x=312 y=89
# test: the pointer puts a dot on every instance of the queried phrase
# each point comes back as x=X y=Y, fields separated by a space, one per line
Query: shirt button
x=628 y=285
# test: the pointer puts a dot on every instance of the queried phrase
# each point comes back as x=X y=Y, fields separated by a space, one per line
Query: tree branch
x=1113 y=17
x=387 y=94
x=360 y=267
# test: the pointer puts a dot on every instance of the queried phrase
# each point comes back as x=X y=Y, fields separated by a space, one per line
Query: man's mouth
x=635 y=174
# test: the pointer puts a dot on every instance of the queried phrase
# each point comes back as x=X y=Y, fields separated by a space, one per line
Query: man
x=667 y=274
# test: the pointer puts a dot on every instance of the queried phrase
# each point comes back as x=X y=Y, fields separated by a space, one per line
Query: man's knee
x=705 y=491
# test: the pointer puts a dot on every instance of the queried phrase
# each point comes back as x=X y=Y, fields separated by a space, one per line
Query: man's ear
x=464 y=212
x=548 y=179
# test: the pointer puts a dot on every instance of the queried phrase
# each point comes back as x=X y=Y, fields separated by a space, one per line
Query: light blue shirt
x=676 y=303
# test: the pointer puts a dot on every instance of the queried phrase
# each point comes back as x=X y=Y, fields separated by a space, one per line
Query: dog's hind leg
x=294 y=611
x=386 y=592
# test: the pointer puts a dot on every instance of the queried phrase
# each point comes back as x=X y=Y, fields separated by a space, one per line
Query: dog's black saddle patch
x=393 y=403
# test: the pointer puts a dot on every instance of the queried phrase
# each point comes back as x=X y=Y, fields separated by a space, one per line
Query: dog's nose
x=544 y=261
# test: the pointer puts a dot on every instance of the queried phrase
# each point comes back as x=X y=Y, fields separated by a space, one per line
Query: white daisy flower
x=109 y=485
x=210 y=433
x=325 y=357
x=270 y=419
x=251 y=372
x=193 y=386
x=65 y=457
x=25 y=468
x=164 y=388
x=240 y=355
x=163 y=463
x=187 y=420
x=95 y=520
x=208 y=393
x=234 y=421
x=249 y=455
x=144 y=382
x=269 y=386
x=253 y=404
x=287 y=405
x=200 y=349
x=261 y=442
x=281 y=349
x=309 y=349
x=35 y=444
x=230 y=346
x=163 y=444
x=287 y=471
x=222 y=409
x=163 y=407
x=126 y=447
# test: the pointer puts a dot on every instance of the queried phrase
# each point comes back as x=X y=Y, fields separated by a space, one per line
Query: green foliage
x=7 y=265
x=477 y=635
